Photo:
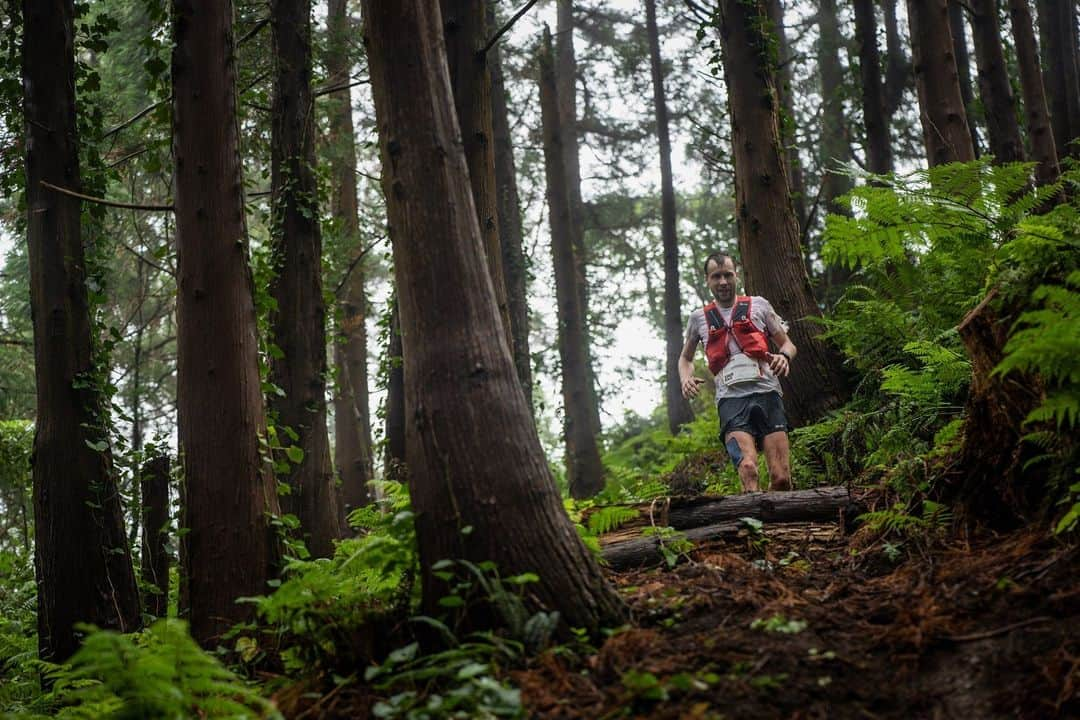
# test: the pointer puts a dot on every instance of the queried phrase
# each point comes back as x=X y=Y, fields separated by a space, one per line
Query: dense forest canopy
x=348 y=358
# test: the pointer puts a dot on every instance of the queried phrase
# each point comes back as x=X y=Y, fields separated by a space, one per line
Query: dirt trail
x=808 y=623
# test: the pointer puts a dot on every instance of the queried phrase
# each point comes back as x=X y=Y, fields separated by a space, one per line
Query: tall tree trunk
x=941 y=106
x=768 y=231
x=352 y=416
x=229 y=495
x=898 y=69
x=1061 y=74
x=678 y=409
x=963 y=68
x=394 y=457
x=475 y=463
x=81 y=557
x=566 y=88
x=465 y=27
x=515 y=269
x=784 y=91
x=154 y=489
x=995 y=90
x=878 y=143
x=1036 y=113
x=584 y=471
x=298 y=324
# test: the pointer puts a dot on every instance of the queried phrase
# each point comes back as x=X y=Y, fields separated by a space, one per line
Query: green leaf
x=295 y=454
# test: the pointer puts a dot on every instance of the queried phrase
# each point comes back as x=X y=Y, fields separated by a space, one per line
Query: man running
x=735 y=331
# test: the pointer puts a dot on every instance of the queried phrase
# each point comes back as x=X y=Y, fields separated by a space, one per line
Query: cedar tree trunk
x=154 y=488
x=768 y=231
x=230 y=549
x=963 y=68
x=515 y=268
x=995 y=90
x=944 y=120
x=678 y=409
x=474 y=456
x=1036 y=113
x=394 y=455
x=352 y=417
x=787 y=110
x=584 y=471
x=298 y=323
x=1061 y=75
x=878 y=143
x=81 y=557
x=899 y=74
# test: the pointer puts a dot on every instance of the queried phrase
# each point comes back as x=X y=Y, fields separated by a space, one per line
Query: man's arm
x=686 y=368
x=780 y=361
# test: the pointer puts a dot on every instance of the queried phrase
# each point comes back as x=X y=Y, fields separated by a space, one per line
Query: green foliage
x=898 y=521
x=158 y=673
x=609 y=518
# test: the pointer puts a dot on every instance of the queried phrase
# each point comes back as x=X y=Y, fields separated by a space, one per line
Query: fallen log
x=817 y=504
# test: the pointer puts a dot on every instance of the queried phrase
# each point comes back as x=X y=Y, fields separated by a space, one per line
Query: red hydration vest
x=747 y=336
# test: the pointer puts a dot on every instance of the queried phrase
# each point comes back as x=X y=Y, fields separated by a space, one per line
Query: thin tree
x=875 y=122
x=508 y=204
x=298 y=322
x=995 y=90
x=898 y=68
x=963 y=67
x=768 y=231
x=1061 y=71
x=229 y=492
x=944 y=120
x=584 y=471
x=1036 y=113
x=394 y=453
x=678 y=409
x=154 y=554
x=81 y=557
x=786 y=95
x=480 y=483
x=352 y=417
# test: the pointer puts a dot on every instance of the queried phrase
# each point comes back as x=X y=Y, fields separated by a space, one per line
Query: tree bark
x=1061 y=74
x=465 y=28
x=678 y=409
x=475 y=464
x=81 y=557
x=229 y=493
x=995 y=90
x=875 y=121
x=584 y=471
x=963 y=68
x=394 y=456
x=154 y=489
x=511 y=235
x=788 y=135
x=566 y=90
x=899 y=74
x=1036 y=112
x=298 y=324
x=352 y=416
x=944 y=120
x=768 y=231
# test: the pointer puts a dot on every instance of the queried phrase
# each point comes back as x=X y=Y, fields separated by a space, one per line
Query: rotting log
x=680 y=513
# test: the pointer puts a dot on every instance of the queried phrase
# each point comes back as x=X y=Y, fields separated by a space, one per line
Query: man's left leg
x=778 y=458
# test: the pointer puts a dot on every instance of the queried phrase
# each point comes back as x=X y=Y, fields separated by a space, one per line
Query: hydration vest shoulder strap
x=713 y=316
x=741 y=311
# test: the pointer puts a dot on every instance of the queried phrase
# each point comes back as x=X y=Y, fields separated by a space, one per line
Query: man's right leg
x=747 y=458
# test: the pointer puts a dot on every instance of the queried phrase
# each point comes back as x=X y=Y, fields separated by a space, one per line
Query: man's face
x=722 y=280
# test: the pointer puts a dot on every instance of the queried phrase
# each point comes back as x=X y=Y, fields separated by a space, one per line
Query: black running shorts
x=759 y=414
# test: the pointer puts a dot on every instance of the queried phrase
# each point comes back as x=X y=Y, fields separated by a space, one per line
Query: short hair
x=719 y=259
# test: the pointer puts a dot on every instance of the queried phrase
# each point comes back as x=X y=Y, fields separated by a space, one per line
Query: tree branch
x=503 y=30
x=108 y=203
x=136 y=117
x=355 y=261
x=340 y=86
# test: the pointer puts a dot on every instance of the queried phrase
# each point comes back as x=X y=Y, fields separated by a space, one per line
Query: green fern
x=610 y=517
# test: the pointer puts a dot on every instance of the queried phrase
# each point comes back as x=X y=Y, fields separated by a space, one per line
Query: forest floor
x=806 y=622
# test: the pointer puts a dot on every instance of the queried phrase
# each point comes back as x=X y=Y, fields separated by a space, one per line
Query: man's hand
x=690 y=386
x=779 y=364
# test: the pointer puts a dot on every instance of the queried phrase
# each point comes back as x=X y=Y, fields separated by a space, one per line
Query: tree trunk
x=788 y=126
x=898 y=69
x=515 y=268
x=81 y=557
x=768 y=231
x=394 y=456
x=465 y=27
x=584 y=471
x=298 y=323
x=154 y=488
x=963 y=68
x=1061 y=74
x=1036 y=112
x=475 y=463
x=352 y=417
x=566 y=90
x=678 y=409
x=944 y=120
x=995 y=90
x=875 y=121
x=229 y=493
